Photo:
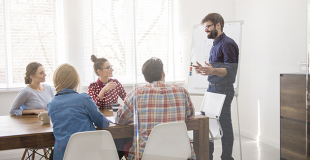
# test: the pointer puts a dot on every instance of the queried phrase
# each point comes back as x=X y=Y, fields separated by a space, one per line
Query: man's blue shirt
x=224 y=54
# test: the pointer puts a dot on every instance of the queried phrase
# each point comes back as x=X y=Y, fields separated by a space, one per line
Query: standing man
x=221 y=71
x=156 y=102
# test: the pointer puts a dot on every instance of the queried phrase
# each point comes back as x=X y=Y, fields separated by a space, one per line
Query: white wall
x=273 y=41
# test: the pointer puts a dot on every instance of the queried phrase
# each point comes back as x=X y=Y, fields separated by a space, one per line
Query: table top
x=30 y=124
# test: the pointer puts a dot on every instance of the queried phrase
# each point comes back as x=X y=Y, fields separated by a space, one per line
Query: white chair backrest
x=215 y=130
x=168 y=140
x=97 y=145
x=212 y=104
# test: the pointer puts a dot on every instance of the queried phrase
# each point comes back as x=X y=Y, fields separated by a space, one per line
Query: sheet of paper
x=197 y=113
x=111 y=119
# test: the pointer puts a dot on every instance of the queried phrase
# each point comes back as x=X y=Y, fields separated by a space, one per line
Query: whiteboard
x=201 y=46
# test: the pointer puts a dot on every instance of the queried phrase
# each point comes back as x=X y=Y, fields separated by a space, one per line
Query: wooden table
x=27 y=131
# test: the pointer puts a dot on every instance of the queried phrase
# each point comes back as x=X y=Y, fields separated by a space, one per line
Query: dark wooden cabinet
x=293 y=117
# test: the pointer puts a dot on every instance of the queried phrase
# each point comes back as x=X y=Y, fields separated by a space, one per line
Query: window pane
x=2 y=54
x=153 y=27
x=32 y=39
x=112 y=30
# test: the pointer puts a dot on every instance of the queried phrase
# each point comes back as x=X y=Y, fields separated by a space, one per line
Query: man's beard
x=213 y=34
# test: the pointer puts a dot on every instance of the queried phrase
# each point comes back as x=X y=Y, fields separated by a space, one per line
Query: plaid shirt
x=157 y=103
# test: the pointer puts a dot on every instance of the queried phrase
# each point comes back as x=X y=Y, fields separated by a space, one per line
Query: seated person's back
x=157 y=102
x=71 y=112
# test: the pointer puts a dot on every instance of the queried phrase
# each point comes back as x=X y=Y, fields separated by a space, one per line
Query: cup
x=115 y=108
x=43 y=116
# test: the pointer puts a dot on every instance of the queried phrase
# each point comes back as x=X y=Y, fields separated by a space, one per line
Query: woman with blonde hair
x=34 y=97
x=71 y=112
x=105 y=91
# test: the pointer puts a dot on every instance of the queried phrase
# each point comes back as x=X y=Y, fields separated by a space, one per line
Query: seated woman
x=105 y=90
x=70 y=111
x=34 y=97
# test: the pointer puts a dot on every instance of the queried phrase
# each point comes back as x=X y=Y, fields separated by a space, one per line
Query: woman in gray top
x=34 y=97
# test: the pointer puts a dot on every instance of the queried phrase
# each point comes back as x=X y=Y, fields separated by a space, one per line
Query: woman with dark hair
x=105 y=90
x=34 y=97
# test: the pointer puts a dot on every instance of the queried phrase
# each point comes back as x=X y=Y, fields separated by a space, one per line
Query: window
x=2 y=55
x=128 y=32
x=27 y=34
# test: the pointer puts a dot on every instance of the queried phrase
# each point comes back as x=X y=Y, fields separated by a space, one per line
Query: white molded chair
x=168 y=141
x=212 y=106
x=97 y=145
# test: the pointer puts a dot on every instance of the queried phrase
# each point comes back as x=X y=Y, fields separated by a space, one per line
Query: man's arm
x=125 y=112
x=189 y=107
x=231 y=58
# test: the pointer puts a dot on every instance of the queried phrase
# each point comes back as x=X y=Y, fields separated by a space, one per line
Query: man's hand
x=197 y=67
x=206 y=70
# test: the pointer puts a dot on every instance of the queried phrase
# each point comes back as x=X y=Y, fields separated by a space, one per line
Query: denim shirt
x=224 y=54
x=71 y=112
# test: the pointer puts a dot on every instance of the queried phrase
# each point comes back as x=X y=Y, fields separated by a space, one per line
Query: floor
x=251 y=150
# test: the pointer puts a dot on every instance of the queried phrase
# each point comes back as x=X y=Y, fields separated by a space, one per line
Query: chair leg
x=51 y=154
x=33 y=154
x=45 y=154
x=24 y=154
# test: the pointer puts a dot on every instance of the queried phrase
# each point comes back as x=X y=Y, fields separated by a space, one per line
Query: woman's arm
x=106 y=88
x=33 y=111
x=95 y=115
x=20 y=99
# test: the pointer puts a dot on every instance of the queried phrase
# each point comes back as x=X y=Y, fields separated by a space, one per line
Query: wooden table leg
x=201 y=140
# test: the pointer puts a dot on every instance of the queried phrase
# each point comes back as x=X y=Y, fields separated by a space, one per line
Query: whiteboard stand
x=236 y=87
x=236 y=95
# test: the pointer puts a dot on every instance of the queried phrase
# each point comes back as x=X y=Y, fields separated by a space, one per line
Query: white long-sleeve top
x=28 y=98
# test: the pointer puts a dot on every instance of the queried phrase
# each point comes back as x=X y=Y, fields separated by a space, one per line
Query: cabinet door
x=293 y=97
x=293 y=139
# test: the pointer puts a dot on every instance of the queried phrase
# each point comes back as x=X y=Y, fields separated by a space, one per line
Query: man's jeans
x=225 y=120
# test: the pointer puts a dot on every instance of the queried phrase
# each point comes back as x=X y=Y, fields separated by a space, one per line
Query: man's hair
x=152 y=69
x=214 y=18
